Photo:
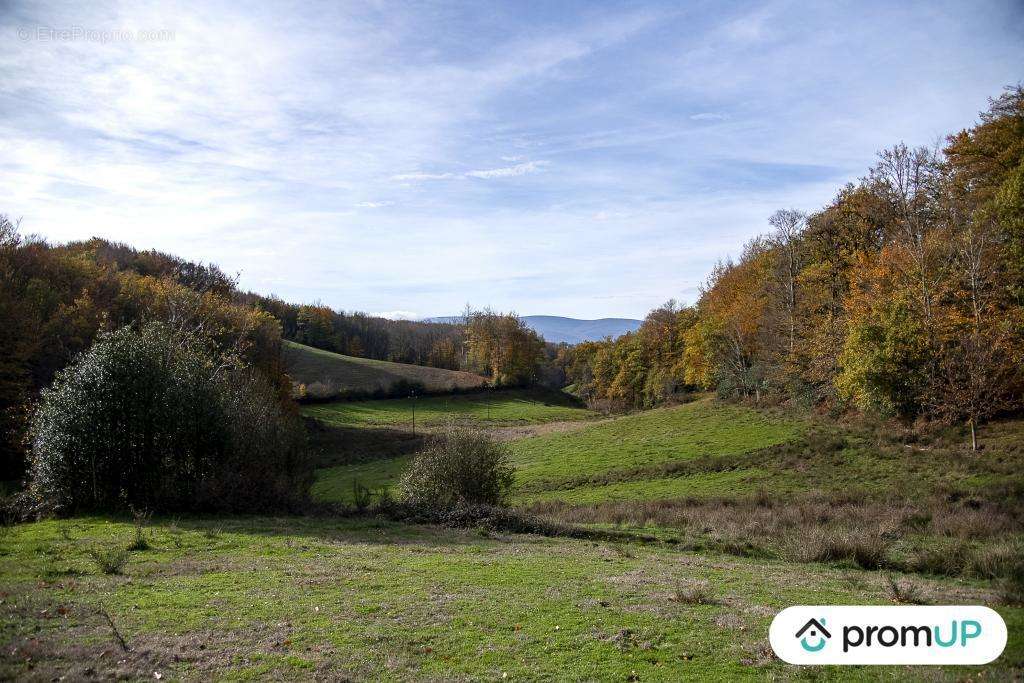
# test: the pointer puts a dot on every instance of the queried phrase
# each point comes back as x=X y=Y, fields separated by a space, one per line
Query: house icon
x=814 y=629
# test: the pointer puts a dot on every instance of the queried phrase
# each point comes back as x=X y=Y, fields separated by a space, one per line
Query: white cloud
x=508 y=171
x=709 y=116
x=504 y=172
x=269 y=140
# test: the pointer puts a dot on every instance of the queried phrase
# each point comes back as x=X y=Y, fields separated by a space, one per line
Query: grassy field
x=340 y=374
x=550 y=466
x=492 y=408
x=297 y=598
x=336 y=484
x=755 y=511
x=391 y=421
x=644 y=440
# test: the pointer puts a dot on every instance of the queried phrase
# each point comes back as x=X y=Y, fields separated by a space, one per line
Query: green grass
x=290 y=598
x=349 y=374
x=662 y=488
x=651 y=438
x=546 y=465
x=336 y=483
x=506 y=407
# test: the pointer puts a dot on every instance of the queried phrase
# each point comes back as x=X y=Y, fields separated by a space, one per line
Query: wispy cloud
x=508 y=171
x=503 y=172
x=403 y=157
x=709 y=116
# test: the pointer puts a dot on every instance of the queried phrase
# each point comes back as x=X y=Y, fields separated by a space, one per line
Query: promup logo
x=888 y=635
x=817 y=630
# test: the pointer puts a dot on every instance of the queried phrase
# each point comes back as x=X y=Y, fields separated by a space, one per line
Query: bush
x=109 y=560
x=694 y=594
x=903 y=592
x=156 y=420
x=867 y=551
x=458 y=467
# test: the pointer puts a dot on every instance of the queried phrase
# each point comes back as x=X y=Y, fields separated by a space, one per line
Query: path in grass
x=294 y=599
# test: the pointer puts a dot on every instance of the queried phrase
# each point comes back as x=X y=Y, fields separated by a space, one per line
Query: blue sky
x=583 y=159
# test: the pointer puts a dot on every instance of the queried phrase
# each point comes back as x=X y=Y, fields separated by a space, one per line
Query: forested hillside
x=56 y=299
x=904 y=296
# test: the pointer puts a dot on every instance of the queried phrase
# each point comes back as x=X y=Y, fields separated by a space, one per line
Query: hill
x=718 y=517
x=557 y=329
x=325 y=374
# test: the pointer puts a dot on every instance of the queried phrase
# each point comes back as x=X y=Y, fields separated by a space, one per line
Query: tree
x=975 y=378
x=788 y=225
x=502 y=347
x=155 y=419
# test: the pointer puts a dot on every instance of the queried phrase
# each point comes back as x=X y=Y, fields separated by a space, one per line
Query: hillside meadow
x=324 y=374
x=363 y=599
x=720 y=515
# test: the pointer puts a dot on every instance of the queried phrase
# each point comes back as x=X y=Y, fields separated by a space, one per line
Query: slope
x=338 y=375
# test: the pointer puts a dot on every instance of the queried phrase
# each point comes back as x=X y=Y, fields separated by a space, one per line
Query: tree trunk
x=974 y=436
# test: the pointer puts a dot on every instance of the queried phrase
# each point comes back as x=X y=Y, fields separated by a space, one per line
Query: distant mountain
x=569 y=330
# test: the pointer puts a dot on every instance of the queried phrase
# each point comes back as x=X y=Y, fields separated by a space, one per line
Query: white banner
x=833 y=634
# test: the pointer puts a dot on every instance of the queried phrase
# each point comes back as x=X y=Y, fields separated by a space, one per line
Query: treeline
x=905 y=296
x=358 y=334
x=56 y=300
x=501 y=347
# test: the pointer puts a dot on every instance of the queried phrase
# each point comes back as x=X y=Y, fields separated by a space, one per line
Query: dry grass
x=333 y=375
x=698 y=593
x=904 y=592
x=936 y=536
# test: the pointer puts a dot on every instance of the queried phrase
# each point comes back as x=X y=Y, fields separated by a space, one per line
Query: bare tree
x=910 y=179
x=974 y=378
x=789 y=224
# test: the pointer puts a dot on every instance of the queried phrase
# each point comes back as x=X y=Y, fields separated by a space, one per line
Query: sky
x=586 y=159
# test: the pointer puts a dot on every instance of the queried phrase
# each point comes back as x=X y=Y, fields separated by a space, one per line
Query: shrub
x=903 y=592
x=140 y=542
x=694 y=594
x=459 y=466
x=943 y=560
x=157 y=420
x=110 y=560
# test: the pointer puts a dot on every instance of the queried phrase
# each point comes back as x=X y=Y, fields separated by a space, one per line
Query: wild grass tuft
x=109 y=560
x=699 y=593
x=139 y=542
x=904 y=592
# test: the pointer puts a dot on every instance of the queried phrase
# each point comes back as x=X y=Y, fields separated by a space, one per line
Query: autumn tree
x=501 y=346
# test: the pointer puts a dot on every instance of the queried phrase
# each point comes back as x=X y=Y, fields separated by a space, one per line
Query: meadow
x=491 y=408
x=328 y=374
x=364 y=599
x=721 y=515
